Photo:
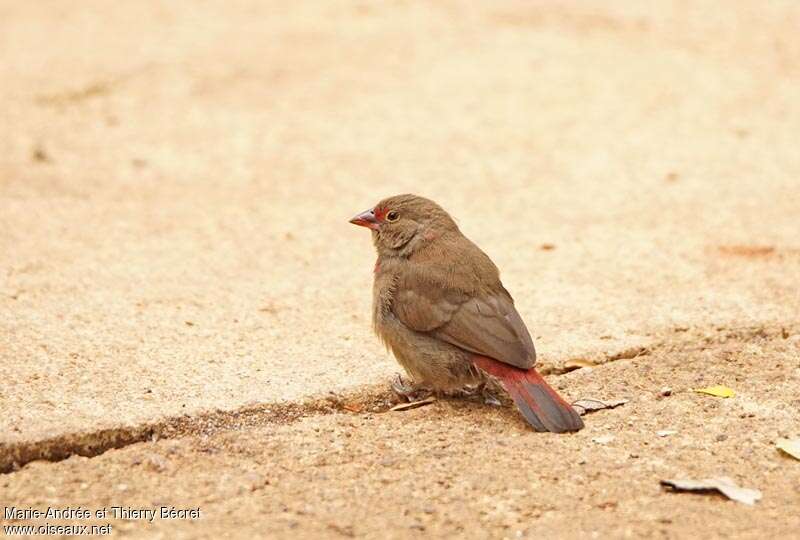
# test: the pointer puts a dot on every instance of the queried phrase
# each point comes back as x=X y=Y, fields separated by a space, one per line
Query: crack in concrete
x=14 y=456
x=375 y=398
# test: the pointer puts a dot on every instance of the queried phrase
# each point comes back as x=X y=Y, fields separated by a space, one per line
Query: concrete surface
x=458 y=469
x=176 y=179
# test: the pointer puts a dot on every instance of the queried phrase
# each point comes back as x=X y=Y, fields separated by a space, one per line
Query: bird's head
x=403 y=223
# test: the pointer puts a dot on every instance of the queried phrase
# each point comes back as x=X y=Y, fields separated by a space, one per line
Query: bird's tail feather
x=541 y=406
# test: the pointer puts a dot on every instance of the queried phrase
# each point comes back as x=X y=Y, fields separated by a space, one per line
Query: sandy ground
x=175 y=258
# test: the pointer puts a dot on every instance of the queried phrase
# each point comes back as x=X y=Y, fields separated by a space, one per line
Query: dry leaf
x=722 y=484
x=587 y=405
x=413 y=404
x=717 y=391
x=789 y=446
x=578 y=363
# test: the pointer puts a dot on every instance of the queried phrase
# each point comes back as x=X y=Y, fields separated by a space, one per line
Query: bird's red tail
x=541 y=406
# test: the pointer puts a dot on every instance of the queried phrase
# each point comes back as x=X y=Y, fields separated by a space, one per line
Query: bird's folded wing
x=487 y=325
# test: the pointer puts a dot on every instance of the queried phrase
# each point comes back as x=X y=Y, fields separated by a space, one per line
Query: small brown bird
x=439 y=306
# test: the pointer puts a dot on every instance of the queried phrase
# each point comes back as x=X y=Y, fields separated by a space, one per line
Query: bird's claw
x=400 y=386
x=408 y=390
x=480 y=391
x=490 y=398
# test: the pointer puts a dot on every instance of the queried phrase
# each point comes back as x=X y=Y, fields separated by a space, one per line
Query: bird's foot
x=480 y=391
x=408 y=390
x=489 y=398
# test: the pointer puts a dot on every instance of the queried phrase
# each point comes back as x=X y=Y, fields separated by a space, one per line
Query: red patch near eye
x=380 y=213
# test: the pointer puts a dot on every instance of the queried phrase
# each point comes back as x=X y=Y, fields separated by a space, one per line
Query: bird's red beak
x=366 y=219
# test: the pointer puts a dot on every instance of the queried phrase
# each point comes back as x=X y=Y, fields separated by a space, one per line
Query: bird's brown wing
x=484 y=324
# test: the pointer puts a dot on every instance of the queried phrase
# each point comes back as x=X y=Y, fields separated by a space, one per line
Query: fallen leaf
x=603 y=439
x=578 y=363
x=413 y=404
x=717 y=391
x=722 y=484
x=789 y=446
x=587 y=405
x=666 y=432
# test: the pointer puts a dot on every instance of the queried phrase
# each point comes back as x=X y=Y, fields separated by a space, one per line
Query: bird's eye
x=392 y=216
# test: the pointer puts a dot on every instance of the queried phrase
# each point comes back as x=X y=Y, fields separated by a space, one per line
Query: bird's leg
x=486 y=390
x=488 y=397
x=482 y=391
x=408 y=390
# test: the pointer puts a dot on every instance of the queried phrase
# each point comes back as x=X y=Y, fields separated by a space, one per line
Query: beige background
x=176 y=179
